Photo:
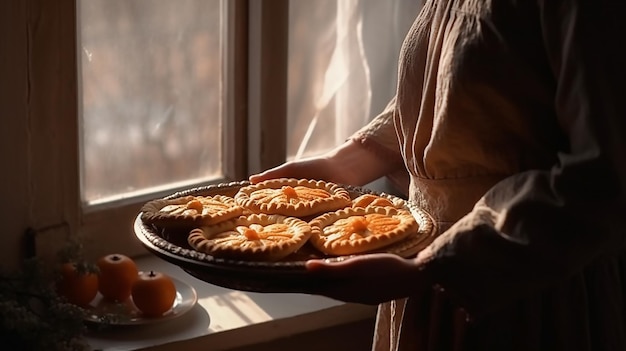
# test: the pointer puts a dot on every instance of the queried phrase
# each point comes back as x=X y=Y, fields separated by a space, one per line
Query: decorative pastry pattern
x=190 y=211
x=365 y=200
x=255 y=237
x=355 y=230
x=293 y=197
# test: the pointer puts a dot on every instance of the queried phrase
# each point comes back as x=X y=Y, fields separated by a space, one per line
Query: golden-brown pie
x=293 y=197
x=365 y=200
x=190 y=211
x=356 y=230
x=257 y=237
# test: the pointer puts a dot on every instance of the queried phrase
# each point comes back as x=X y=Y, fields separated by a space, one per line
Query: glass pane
x=342 y=67
x=151 y=74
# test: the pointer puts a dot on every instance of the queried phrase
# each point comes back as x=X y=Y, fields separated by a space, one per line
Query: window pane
x=151 y=74
x=342 y=67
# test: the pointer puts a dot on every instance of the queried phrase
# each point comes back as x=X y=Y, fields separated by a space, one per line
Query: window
x=155 y=118
x=174 y=94
x=151 y=99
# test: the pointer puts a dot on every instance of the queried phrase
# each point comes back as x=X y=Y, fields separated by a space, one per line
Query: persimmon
x=117 y=274
x=153 y=293
x=78 y=285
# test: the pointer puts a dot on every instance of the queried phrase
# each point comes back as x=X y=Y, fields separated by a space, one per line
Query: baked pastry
x=190 y=211
x=293 y=197
x=257 y=237
x=365 y=200
x=355 y=230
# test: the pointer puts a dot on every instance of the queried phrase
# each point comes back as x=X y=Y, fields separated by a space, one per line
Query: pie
x=190 y=211
x=365 y=200
x=293 y=197
x=355 y=230
x=258 y=237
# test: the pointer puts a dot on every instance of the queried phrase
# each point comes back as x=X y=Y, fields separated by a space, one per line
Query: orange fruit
x=153 y=293
x=117 y=274
x=77 y=286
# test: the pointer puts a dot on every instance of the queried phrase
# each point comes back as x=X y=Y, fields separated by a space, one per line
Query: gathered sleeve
x=380 y=137
x=539 y=227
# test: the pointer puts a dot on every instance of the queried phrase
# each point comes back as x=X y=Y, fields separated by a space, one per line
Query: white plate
x=125 y=313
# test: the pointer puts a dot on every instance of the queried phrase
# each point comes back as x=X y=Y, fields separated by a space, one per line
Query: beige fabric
x=510 y=123
x=388 y=323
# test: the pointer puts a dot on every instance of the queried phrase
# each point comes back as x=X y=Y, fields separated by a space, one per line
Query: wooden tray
x=287 y=275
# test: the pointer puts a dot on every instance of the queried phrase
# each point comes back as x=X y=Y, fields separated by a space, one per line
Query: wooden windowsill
x=224 y=319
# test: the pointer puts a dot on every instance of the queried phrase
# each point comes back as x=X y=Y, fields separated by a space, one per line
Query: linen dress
x=509 y=127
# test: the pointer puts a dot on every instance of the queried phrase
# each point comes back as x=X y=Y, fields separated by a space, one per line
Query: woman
x=507 y=127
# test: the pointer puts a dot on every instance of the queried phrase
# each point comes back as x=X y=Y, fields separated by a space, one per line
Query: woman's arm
x=349 y=163
x=369 y=154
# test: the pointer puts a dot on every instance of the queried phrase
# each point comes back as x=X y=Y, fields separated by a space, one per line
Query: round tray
x=287 y=275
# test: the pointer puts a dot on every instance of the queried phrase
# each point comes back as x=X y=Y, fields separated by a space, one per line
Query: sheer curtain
x=342 y=67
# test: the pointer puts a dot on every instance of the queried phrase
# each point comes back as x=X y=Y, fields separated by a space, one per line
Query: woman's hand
x=349 y=163
x=367 y=279
x=320 y=168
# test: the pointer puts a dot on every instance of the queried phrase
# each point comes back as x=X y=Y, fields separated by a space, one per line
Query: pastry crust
x=257 y=237
x=365 y=200
x=190 y=211
x=355 y=230
x=293 y=197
